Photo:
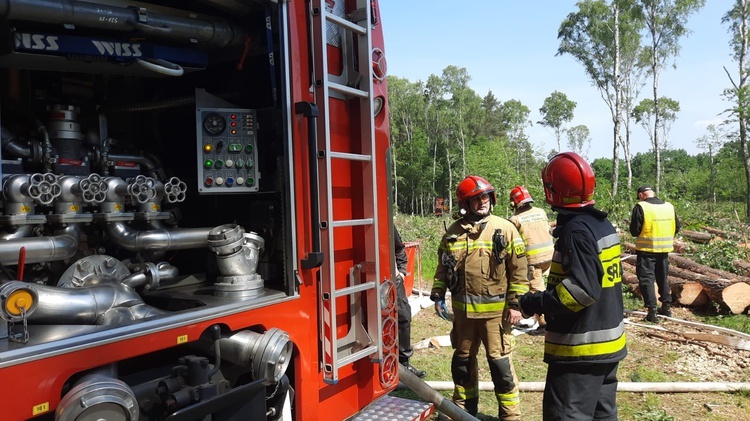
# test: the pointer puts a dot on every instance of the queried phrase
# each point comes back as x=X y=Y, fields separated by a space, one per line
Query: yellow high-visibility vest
x=657 y=234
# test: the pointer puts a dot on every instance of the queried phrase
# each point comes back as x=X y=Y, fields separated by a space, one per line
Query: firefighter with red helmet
x=533 y=225
x=585 y=337
x=482 y=261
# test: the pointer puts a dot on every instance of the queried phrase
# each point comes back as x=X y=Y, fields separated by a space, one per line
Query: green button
x=219 y=164
x=249 y=148
x=235 y=147
x=208 y=163
x=240 y=163
x=250 y=181
x=249 y=163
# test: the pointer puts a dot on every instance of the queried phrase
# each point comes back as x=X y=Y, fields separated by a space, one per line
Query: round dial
x=214 y=124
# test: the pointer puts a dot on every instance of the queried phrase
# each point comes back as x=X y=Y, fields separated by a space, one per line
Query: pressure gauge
x=214 y=124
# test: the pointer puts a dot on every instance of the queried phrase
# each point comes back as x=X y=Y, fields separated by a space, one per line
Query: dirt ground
x=656 y=353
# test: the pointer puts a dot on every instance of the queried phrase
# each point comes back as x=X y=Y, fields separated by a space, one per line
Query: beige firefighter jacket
x=533 y=225
x=483 y=276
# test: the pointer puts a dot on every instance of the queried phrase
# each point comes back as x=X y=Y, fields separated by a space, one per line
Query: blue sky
x=509 y=46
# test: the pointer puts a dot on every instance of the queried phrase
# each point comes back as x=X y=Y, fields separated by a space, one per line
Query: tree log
x=692 y=266
x=723 y=234
x=681 y=246
x=686 y=292
x=697 y=237
x=631 y=281
x=743 y=265
x=734 y=297
x=685 y=263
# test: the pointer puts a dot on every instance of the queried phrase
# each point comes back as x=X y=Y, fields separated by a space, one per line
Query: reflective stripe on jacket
x=533 y=225
x=484 y=285
x=657 y=234
x=585 y=314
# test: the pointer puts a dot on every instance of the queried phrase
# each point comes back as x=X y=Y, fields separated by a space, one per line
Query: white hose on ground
x=696 y=324
x=656 y=387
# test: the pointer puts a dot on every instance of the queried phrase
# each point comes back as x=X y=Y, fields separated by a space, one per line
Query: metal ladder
x=355 y=87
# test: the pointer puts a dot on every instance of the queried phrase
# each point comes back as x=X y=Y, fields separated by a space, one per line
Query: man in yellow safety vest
x=654 y=223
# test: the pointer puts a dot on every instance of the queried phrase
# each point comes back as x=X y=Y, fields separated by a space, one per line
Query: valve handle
x=93 y=189
x=175 y=190
x=142 y=189
x=44 y=188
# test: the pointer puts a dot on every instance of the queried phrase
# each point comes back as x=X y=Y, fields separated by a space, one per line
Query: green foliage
x=648 y=374
x=719 y=254
x=738 y=322
x=653 y=410
x=556 y=112
x=427 y=231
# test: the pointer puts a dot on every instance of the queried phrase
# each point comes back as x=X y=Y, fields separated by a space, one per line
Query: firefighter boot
x=415 y=371
x=665 y=310
x=651 y=316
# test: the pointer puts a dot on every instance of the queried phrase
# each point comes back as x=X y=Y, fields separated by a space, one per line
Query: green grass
x=645 y=362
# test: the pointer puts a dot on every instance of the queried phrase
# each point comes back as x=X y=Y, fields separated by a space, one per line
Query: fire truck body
x=195 y=214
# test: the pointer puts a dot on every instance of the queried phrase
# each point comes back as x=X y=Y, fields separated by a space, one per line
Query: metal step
x=394 y=408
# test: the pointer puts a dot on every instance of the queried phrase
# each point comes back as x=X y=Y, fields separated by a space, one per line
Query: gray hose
x=429 y=394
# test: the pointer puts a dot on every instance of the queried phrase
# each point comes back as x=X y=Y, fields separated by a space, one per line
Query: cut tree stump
x=735 y=297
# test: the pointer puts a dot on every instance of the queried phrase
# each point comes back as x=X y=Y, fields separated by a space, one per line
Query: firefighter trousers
x=495 y=335
x=405 y=350
x=580 y=392
x=650 y=268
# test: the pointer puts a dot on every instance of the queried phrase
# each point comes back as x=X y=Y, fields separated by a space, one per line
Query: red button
x=209 y=181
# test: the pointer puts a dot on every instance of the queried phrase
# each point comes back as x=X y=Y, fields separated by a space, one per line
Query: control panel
x=227 y=150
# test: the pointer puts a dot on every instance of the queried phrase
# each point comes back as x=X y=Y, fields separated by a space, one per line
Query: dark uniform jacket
x=583 y=301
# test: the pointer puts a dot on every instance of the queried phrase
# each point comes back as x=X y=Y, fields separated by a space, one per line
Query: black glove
x=531 y=303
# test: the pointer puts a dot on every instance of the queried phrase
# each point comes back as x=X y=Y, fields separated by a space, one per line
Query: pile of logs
x=693 y=284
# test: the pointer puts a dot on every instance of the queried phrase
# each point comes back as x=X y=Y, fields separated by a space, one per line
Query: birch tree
x=738 y=18
x=666 y=23
x=557 y=112
x=712 y=142
x=592 y=36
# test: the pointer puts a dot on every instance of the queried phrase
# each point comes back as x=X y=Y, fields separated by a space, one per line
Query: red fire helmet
x=473 y=186
x=569 y=181
x=519 y=196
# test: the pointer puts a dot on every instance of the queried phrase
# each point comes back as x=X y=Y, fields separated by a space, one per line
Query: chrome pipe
x=105 y=303
x=207 y=31
x=267 y=354
x=151 y=276
x=157 y=240
x=16 y=232
x=63 y=245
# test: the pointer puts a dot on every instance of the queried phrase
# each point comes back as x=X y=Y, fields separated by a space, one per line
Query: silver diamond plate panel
x=393 y=408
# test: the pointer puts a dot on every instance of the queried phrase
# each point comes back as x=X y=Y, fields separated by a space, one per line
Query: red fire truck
x=195 y=218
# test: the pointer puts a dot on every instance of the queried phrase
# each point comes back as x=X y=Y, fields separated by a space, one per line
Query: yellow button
x=208 y=148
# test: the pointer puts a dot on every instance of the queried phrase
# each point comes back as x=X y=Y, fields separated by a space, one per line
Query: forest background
x=442 y=130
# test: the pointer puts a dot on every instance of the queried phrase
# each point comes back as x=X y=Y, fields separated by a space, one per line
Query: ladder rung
x=347 y=90
x=351 y=156
x=353 y=289
x=357 y=355
x=351 y=26
x=352 y=222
